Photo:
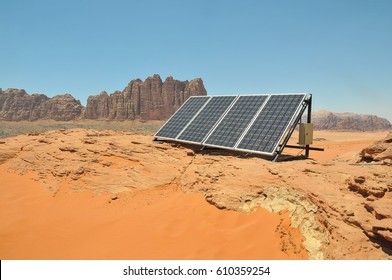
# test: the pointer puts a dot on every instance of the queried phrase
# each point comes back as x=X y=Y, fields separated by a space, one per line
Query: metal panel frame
x=294 y=117
x=290 y=123
x=305 y=103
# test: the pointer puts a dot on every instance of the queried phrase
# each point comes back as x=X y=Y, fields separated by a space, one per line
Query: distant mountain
x=326 y=120
x=148 y=100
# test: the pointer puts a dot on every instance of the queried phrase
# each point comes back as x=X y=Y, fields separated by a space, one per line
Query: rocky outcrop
x=17 y=105
x=325 y=120
x=302 y=215
x=148 y=100
x=377 y=193
x=379 y=151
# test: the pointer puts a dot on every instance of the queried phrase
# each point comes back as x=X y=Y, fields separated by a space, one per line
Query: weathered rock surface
x=325 y=120
x=17 y=105
x=148 y=100
x=379 y=150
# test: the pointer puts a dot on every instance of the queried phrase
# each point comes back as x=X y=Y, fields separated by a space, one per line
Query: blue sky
x=341 y=51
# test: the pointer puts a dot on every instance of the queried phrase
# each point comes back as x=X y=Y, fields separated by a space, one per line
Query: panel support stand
x=302 y=147
x=309 y=120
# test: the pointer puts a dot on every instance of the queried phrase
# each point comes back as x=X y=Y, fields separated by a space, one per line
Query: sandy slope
x=57 y=201
x=162 y=223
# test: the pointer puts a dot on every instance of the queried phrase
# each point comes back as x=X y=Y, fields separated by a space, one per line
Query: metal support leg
x=309 y=120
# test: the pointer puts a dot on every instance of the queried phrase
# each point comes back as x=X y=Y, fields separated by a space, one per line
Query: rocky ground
x=340 y=200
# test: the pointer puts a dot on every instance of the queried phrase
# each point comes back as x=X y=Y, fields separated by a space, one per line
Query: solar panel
x=234 y=123
x=182 y=117
x=252 y=123
x=200 y=126
x=271 y=124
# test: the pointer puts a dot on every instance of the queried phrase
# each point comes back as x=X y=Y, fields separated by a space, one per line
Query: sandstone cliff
x=325 y=120
x=148 y=100
x=17 y=105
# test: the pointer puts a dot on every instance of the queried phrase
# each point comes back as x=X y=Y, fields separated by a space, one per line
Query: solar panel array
x=254 y=123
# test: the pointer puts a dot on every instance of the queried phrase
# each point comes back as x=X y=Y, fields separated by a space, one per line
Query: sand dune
x=161 y=223
x=85 y=194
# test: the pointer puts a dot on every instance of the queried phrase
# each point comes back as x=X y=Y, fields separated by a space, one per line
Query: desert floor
x=97 y=194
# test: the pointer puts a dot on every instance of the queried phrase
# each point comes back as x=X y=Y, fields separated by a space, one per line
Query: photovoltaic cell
x=232 y=126
x=181 y=118
x=270 y=125
x=198 y=129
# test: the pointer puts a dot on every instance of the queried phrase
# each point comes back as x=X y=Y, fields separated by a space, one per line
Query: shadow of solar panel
x=234 y=123
x=271 y=124
x=181 y=118
x=198 y=129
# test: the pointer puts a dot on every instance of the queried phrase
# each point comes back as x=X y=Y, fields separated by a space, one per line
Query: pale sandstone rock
x=379 y=150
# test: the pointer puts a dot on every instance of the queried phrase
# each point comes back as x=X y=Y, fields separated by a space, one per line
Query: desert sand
x=90 y=194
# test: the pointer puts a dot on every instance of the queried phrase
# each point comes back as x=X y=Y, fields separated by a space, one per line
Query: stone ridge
x=17 y=105
x=148 y=100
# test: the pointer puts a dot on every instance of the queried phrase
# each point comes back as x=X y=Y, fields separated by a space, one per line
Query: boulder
x=379 y=150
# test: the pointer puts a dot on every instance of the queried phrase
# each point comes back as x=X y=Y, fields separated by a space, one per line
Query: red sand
x=159 y=223
x=61 y=207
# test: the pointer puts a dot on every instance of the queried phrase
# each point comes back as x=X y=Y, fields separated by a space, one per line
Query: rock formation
x=325 y=120
x=148 y=100
x=17 y=105
x=379 y=151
